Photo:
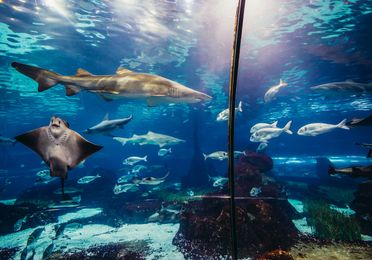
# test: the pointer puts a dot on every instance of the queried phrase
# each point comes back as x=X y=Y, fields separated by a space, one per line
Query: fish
x=255 y=191
x=125 y=188
x=237 y=154
x=6 y=140
x=218 y=181
x=88 y=179
x=18 y=225
x=368 y=146
x=224 y=115
x=367 y=121
x=60 y=147
x=134 y=159
x=163 y=152
x=190 y=193
x=265 y=134
x=344 y=86
x=270 y=95
x=315 y=129
x=127 y=84
x=34 y=236
x=259 y=126
x=48 y=251
x=262 y=146
x=106 y=126
x=68 y=190
x=153 y=180
x=138 y=168
x=43 y=177
x=126 y=178
x=151 y=138
x=354 y=172
x=219 y=155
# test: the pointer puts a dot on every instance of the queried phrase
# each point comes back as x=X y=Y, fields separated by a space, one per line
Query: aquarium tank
x=185 y=129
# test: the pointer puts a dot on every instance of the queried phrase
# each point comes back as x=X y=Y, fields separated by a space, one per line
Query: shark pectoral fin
x=104 y=97
x=82 y=73
x=71 y=90
x=121 y=70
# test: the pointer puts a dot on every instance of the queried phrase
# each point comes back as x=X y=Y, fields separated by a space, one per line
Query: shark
x=151 y=138
x=60 y=147
x=154 y=89
x=344 y=86
x=106 y=126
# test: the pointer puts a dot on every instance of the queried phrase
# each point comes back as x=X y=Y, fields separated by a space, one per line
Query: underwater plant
x=331 y=224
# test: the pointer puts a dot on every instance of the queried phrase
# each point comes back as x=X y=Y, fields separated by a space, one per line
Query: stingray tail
x=45 y=78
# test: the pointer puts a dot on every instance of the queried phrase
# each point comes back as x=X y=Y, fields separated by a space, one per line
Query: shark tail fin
x=282 y=83
x=342 y=125
x=287 y=126
x=45 y=78
x=369 y=155
x=121 y=140
x=71 y=90
x=145 y=158
x=240 y=108
x=205 y=156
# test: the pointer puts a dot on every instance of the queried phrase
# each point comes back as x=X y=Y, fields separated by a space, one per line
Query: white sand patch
x=8 y=202
x=303 y=226
x=83 y=213
x=158 y=236
x=297 y=204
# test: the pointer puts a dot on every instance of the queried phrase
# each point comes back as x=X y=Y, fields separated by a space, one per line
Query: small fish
x=315 y=129
x=19 y=223
x=153 y=180
x=270 y=95
x=48 y=251
x=163 y=152
x=88 y=179
x=134 y=159
x=265 y=134
x=224 y=115
x=126 y=178
x=138 y=168
x=43 y=173
x=125 y=188
x=218 y=181
x=190 y=193
x=237 y=154
x=259 y=126
x=6 y=140
x=34 y=236
x=255 y=191
x=262 y=146
x=219 y=155
x=67 y=190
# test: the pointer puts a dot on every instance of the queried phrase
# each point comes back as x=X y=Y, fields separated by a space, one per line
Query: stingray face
x=57 y=125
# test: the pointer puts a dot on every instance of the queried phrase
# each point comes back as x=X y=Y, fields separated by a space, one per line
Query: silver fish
x=88 y=179
x=125 y=188
x=219 y=155
x=134 y=159
x=163 y=152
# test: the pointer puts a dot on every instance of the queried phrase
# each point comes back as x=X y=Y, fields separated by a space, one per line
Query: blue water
x=305 y=43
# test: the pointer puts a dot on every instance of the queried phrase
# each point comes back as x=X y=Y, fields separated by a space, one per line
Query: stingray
x=60 y=147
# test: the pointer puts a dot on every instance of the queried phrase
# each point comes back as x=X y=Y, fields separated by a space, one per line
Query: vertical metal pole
x=231 y=123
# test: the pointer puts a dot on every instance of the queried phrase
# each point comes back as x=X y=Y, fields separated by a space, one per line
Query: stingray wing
x=78 y=148
x=36 y=139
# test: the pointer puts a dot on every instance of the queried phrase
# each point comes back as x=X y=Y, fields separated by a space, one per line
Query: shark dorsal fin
x=121 y=70
x=82 y=73
x=106 y=117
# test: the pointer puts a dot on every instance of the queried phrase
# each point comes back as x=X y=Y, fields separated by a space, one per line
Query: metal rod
x=231 y=123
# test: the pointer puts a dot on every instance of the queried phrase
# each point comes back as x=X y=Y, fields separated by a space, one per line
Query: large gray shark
x=345 y=86
x=124 y=84
x=106 y=126
x=60 y=147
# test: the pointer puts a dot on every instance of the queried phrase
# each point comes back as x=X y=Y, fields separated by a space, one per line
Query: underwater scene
x=115 y=125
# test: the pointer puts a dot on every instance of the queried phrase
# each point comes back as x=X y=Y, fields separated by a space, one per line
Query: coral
x=330 y=224
x=262 y=225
